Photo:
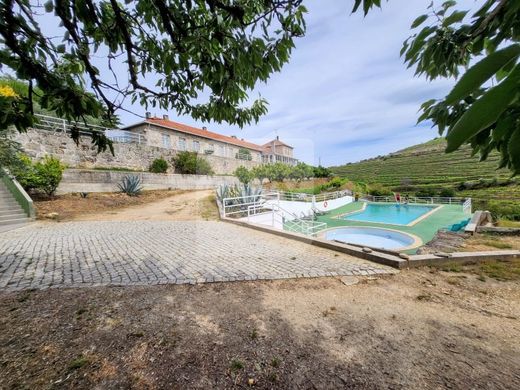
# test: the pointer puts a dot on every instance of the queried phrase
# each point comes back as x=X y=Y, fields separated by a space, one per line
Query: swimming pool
x=373 y=237
x=390 y=213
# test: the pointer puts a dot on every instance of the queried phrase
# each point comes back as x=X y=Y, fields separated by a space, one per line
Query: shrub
x=190 y=163
x=42 y=176
x=243 y=175
x=159 y=165
x=425 y=193
x=447 y=193
x=130 y=185
x=244 y=154
x=379 y=190
x=320 y=171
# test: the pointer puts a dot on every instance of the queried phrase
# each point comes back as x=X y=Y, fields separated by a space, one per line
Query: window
x=196 y=146
x=182 y=143
x=166 y=142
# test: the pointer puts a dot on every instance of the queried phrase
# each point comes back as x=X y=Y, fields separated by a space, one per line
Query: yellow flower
x=7 y=91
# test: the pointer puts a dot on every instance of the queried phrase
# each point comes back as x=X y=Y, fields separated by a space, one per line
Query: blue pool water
x=369 y=236
x=389 y=213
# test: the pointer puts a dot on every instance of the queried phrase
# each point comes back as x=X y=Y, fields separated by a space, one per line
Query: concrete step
x=12 y=211
x=12 y=215
x=9 y=204
x=14 y=221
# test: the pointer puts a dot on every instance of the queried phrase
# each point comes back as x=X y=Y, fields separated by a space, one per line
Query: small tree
x=159 y=165
x=244 y=175
x=190 y=163
x=320 y=171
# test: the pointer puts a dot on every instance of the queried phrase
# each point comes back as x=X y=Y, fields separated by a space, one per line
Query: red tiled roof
x=166 y=123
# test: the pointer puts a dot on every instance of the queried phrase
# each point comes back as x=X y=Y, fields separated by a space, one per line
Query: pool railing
x=465 y=203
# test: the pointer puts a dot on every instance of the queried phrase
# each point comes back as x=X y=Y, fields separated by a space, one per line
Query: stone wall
x=82 y=180
x=39 y=143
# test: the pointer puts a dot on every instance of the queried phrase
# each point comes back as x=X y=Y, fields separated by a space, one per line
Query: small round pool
x=373 y=237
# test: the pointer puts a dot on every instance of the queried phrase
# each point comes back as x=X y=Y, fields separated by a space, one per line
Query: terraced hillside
x=425 y=167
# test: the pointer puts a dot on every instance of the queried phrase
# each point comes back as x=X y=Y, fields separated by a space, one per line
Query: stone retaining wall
x=39 y=143
x=80 y=180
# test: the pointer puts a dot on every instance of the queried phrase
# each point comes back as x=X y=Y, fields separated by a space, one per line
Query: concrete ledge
x=499 y=230
x=462 y=257
x=375 y=256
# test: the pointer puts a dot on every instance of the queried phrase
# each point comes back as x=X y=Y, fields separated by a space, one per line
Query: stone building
x=278 y=151
x=167 y=134
x=136 y=146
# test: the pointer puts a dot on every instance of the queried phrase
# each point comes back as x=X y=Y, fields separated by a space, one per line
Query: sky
x=345 y=94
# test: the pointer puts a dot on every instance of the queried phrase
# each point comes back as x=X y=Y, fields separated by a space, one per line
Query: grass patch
x=509 y=224
x=451 y=267
x=497 y=244
x=236 y=365
x=77 y=363
x=209 y=210
x=275 y=362
x=500 y=270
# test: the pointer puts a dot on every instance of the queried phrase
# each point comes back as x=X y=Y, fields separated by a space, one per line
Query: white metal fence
x=255 y=205
x=51 y=123
x=303 y=197
x=465 y=203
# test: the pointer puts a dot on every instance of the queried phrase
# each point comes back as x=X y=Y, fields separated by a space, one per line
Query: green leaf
x=481 y=72
x=484 y=112
x=513 y=148
x=420 y=20
x=455 y=17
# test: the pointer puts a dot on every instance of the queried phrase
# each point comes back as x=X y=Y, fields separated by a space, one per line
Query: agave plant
x=130 y=185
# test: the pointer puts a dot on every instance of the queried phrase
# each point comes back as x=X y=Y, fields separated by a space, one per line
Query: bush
x=190 y=163
x=42 y=176
x=159 y=165
x=320 y=171
x=504 y=209
x=425 y=193
x=130 y=185
x=243 y=175
x=379 y=190
x=447 y=193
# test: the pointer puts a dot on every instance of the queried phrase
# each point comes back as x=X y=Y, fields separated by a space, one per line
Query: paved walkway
x=75 y=254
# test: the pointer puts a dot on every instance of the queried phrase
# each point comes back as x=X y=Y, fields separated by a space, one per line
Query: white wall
x=291 y=210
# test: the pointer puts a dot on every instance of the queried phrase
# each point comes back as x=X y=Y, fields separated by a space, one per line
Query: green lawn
x=425 y=229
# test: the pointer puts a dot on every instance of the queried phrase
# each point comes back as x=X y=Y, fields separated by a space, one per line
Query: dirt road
x=420 y=329
x=185 y=206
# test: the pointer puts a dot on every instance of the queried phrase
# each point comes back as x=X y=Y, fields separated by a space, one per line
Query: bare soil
x=425 y=329
x=150 y=205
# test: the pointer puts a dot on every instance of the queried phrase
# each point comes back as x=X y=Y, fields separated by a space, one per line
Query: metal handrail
x=23 y=199
x=52 y=123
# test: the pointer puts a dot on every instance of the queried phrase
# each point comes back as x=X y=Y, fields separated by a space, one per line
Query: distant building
x=278 y=151
x=162 y=132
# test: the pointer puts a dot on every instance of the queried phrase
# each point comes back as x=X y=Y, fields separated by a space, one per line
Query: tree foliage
x=482 y=47
x=219 y=47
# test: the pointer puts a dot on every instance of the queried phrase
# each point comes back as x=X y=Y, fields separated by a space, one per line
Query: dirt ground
x=150 y=205
x=425 y=329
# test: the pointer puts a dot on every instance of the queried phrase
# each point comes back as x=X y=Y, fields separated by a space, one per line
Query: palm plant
x=130 y=185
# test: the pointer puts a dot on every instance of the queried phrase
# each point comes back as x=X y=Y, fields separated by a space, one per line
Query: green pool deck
x=425 y=229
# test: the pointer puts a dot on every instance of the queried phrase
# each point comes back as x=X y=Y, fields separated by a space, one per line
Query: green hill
x=425 y=168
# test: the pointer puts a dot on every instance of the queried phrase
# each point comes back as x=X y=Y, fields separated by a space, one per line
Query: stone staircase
x=11 y=213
